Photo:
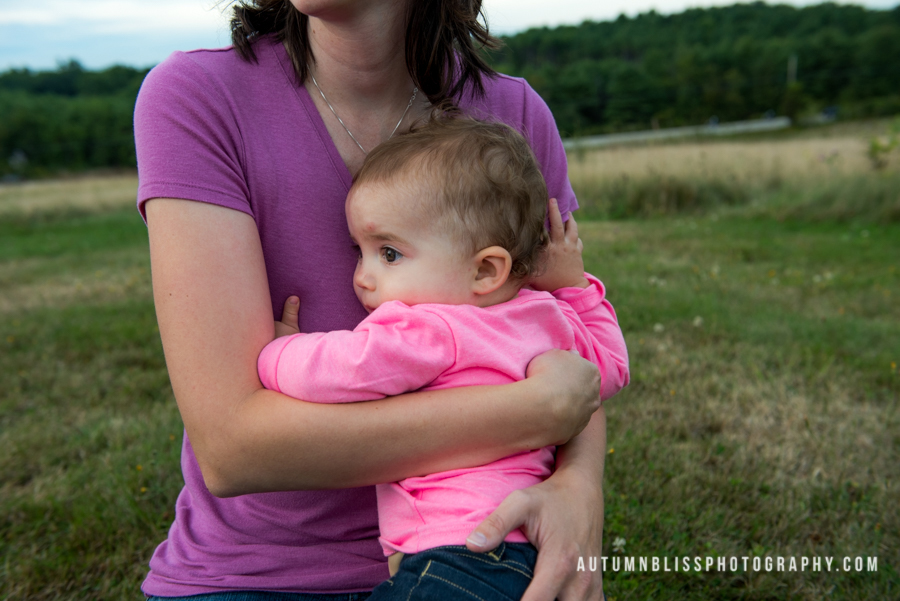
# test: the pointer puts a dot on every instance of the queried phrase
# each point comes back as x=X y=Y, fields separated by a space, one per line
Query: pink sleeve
x=396 y=349
x=597 y=333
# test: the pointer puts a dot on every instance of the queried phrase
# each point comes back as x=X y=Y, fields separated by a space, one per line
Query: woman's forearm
x=274 y=442
x=586 y=453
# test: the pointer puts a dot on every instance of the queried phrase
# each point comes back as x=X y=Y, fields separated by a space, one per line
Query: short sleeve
x=187 y=139
x=548 y=148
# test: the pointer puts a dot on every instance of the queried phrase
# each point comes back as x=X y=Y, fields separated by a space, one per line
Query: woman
x=264 y=139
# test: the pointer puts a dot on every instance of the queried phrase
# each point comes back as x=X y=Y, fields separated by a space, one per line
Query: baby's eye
x=357 y=251
x=390 y=255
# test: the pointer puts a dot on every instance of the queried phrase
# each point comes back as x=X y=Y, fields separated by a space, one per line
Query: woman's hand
x=562 y=517
x=571 y=385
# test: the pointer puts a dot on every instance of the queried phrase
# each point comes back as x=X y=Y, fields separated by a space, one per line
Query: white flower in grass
x=698 y=322
x=659 y=328
x=619 y=545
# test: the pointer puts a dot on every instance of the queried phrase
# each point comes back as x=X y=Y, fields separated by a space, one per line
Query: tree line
x=69 y=119
x=651 y=70
x=732 y=62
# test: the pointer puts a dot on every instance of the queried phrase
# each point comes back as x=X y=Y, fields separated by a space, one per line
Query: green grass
x=762 y=415
x=761 y=419
x=90 y=434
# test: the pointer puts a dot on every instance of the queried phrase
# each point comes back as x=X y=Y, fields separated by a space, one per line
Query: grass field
x=762 y=419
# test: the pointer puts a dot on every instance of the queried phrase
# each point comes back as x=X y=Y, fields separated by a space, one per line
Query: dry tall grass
x=749 y=162
x=829 y=177
x=90 y=193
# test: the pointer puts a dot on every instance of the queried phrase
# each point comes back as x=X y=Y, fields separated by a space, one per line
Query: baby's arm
x=598 y=336
x=396 y=349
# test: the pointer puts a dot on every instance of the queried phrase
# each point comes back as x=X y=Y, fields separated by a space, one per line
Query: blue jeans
x=454 y=573
x=264 y=596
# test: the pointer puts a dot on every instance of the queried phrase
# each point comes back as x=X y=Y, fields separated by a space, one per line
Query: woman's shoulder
x=220 y=67
x=508 y=99
x=500 y=92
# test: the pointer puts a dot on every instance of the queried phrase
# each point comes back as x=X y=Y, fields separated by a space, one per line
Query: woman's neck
x=360 y=67
x=359 y=59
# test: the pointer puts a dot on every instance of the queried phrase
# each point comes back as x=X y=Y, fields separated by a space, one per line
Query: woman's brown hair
x=444 y=39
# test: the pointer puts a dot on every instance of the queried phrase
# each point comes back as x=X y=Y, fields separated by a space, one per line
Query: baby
x=449 y=223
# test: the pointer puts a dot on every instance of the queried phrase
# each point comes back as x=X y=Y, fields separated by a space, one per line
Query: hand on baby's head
x=563 y=266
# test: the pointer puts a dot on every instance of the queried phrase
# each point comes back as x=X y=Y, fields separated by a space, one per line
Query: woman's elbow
x=222 y=464
x=220 y=474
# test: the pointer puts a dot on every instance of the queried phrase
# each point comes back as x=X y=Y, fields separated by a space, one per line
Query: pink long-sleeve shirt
x=399 y=348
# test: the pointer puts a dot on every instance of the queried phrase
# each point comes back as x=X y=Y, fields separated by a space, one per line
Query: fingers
x=583 y=586
x=548 y=578
x=554 y=577
x=571 y=229
x=510 y=514
x=557 y=230
x=290 y=316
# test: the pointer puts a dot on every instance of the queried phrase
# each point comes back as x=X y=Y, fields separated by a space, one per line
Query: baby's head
x=451 y=213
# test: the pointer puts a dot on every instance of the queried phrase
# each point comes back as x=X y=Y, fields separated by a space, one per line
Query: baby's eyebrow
x=387 y=237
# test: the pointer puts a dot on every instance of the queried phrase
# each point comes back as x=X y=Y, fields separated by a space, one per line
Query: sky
x=39 y=34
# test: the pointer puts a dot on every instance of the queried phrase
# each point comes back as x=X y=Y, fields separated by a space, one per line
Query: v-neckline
x=313 y=114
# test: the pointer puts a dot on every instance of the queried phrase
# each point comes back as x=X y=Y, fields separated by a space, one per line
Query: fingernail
x=553 y=202
x=477 y=539
x=294 y=300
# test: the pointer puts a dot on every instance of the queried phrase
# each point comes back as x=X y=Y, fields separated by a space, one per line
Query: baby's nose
x=362 y=279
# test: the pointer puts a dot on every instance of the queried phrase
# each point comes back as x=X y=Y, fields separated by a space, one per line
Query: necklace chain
x=344 y=125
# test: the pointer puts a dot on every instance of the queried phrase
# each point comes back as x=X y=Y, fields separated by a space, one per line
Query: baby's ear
x=492 y=269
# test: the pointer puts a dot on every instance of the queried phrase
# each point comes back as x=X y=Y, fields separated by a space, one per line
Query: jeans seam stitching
x=454 y=585
x=503 y=565
x=419 y=581
x=521 y=565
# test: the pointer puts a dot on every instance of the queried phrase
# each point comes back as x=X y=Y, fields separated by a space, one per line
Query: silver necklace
x=341 y=121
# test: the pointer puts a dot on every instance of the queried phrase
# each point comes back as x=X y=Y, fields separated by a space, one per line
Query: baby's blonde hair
x=487 y=185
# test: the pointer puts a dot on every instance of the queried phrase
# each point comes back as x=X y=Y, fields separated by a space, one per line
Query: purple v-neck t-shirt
x=213 y=128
